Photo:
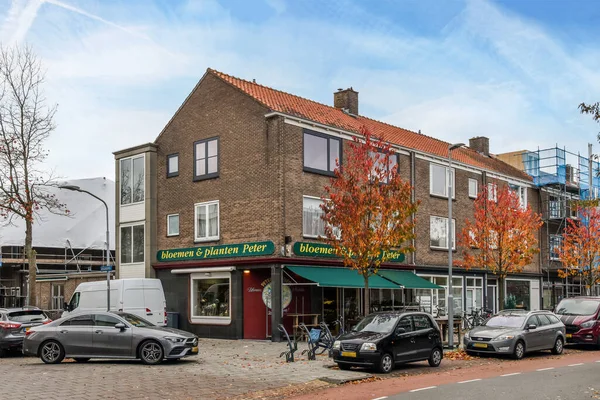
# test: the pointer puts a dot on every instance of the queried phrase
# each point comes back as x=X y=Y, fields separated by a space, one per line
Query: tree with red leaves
x=579 y=251
x=501 y=238
x=368 y=209
x=25 y=124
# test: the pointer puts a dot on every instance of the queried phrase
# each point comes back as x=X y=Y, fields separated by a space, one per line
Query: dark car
x=581 y=317
x=14 y=322
x=516 y=332
x=384 y=339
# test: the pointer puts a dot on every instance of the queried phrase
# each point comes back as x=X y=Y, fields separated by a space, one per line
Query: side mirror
x=66 y=306
x=120 y=326
x=400 y=331
x=531 y=327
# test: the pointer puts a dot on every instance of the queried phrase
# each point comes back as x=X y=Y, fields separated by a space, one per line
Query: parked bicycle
x=476 y=318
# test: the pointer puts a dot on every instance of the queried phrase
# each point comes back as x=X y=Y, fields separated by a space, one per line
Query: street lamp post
x=449 y=242
x=78 y=189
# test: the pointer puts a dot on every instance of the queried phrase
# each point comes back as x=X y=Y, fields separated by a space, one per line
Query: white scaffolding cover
x=85 y=227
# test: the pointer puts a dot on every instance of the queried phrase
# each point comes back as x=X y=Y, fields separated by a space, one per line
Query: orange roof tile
x=290 y=104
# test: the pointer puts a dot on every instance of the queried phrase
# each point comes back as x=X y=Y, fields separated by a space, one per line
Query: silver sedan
x=107 y=335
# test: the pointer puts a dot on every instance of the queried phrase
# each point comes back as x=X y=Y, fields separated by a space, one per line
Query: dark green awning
x=407 y=279
x=341 y=277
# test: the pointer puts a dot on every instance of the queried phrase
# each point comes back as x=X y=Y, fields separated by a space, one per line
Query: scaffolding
x=563 y=178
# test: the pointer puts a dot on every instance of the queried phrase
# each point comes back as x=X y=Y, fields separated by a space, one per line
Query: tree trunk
x=501 y=294
x=31 y=261
x=367 y=305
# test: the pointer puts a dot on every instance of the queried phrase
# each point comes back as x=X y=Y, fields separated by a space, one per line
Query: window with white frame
x=438 y=228
x=313 y=225
x=384 y=171
x=521 y=192
x=438 y=180
x=435 y=301
x=132 y=180
x=132 y=244
x=206 y=216
x=206 y=159
x=492 y=191
x=172 y=165
x=472 y=188
x=172 y=224
x=474 y=294
x=211 y=298
x=555 y=244
x=58 y=296
x=556 y=207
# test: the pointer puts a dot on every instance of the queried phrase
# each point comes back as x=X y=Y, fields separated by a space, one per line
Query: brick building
x=223 y=208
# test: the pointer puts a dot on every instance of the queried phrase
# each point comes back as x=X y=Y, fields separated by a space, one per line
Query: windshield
x=505 y=321
x=135 y=320
x=27 y=316
x=379 y=323
x=577 y=307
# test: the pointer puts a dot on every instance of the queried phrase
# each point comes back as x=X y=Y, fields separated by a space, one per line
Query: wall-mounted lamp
x=288 y=239
x=246 y=271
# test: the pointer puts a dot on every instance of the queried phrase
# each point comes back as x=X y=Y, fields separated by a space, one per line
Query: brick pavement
x=223 y=369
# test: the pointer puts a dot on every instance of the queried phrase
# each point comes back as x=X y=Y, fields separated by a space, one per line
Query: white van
x=140 y=296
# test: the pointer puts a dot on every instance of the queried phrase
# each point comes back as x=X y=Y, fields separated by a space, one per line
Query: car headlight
x=588 y=324
x=336 y=344
x=503 y=337
x=174 y=339
x=368 y=347
x=467 y=336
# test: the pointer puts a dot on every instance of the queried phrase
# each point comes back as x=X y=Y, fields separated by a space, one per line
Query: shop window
x=438 y=228
x=58 y=296
x=472 y=188
x=206 y=159
x=132 y=180
x=132 y=244
x=173 y=225
x=321 y=152
x=207 y=221
x=211 y=298
x=434 y=301
x=518 y=293
x=438 y=180
x=172 y=165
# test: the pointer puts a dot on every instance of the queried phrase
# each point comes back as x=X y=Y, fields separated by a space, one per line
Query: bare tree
x=25 y=124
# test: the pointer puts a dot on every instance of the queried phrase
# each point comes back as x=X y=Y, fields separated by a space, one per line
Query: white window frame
x=171 y=173
x=521 y=192
x=208 y=320
x=131 y=225
x=445 y=193
x=552 y=245
x=492 y=191
x=169 y=224
x=207 y=238
x=130 y=160
x=473 y=194
x=431 y=217
x=308 y=235
x=58 y=295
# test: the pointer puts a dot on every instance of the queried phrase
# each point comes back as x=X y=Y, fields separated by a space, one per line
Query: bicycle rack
x=312 y=344
x=289 y=354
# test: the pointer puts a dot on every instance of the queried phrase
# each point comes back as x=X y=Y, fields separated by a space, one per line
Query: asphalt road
x=573 y=382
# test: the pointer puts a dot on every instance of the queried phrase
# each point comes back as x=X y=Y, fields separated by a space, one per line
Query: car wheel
x=519 y=350
x=51 y=352
x=2 y=353
x=558 y=346
x=386 y=363
x=81 y=360
x=151 y=352
x=344 y=367
x=435 y=358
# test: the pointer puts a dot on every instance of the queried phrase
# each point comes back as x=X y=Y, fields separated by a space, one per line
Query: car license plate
x=349 y=354
x=480 y=345
x=195 y=349
x=569 y=335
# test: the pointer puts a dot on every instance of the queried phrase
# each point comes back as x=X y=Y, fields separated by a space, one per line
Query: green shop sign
x=222 y=251
x=308 y=249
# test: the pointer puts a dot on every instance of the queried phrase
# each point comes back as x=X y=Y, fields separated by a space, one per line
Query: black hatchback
x=384 y=339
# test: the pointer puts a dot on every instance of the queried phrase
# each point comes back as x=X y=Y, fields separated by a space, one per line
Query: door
x=491 y=301
x=547 y=331
x=75 y=334
x=425 y=335
x=109 y=341
x=533 y=337
x=404 y=344
x=155 y=305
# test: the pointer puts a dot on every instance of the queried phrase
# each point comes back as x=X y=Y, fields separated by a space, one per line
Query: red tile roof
x=290 y=104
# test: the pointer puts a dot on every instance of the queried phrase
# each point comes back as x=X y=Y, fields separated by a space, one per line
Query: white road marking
x=381 y=398
x=598 y=361
x=575 y=365
x=470 y=380
x=545 y=369
x=425 y=388
x=514 y=373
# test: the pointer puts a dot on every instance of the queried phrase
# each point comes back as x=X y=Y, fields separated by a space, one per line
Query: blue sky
x=511 y=70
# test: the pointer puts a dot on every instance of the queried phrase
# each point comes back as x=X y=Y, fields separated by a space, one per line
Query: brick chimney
x=346 y=99
x=480 y=144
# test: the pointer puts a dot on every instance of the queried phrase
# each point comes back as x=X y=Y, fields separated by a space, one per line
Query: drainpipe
x=413 y=198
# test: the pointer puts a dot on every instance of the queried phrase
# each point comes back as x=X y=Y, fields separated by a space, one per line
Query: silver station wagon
x=107 y=335
x=516 y=332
